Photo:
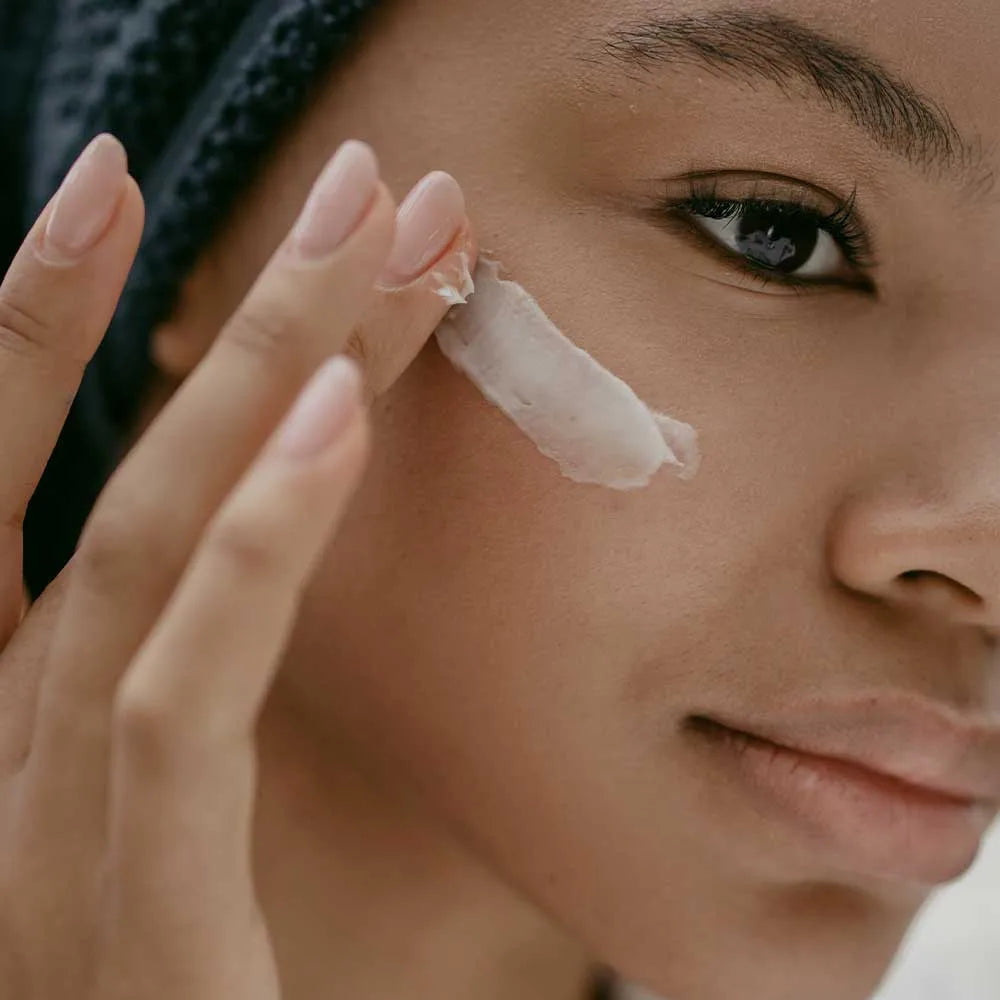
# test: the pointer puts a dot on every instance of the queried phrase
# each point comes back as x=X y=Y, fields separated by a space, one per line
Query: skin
x=473 y=776
x=547 y=639
x=131 y=688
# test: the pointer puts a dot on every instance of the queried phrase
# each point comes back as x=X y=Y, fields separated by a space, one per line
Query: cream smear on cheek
x=590 y=422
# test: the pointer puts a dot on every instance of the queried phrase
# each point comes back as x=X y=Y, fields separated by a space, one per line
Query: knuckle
x=21 y=330
x=103 y=557
x=242 y=550
x=357 y=348
x=372 y=363
x=264 y=330
x=116 y=545
x=142 y=721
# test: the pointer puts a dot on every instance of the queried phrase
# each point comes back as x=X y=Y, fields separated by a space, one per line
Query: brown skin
x=515 y=652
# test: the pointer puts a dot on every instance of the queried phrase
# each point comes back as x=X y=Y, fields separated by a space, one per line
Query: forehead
x=949 y=52
x=918 y=78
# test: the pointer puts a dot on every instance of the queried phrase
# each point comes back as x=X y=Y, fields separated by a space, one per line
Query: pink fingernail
x=338 y=202
x=426 y=223
x=87 y=199
x=323 y=409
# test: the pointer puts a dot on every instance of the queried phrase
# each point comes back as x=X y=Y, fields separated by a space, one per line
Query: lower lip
x=864 y=822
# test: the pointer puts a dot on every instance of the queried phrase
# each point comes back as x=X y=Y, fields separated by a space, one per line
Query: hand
x=130 y=690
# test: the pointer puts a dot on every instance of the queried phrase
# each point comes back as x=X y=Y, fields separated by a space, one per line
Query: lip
x=920 y=742
x=885 y=785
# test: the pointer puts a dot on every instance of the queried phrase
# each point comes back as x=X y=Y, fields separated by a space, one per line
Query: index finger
x=56 y=302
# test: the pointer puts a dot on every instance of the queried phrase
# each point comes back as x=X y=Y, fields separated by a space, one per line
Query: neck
x=366 y=896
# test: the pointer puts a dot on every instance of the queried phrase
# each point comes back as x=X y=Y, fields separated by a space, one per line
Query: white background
x=953 y=950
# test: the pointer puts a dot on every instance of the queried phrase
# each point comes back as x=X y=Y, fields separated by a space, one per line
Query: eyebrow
x=758 y=45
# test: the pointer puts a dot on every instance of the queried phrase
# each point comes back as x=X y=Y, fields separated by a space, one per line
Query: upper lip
x=922 y=743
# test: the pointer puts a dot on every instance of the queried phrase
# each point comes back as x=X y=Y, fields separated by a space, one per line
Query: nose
x=918 y=527
x=939 y=556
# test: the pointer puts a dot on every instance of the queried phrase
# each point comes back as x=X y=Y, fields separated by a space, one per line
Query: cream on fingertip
x=452 y=281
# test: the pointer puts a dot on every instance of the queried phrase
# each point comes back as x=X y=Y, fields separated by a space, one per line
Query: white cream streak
x=574 y=410
x=455 y=286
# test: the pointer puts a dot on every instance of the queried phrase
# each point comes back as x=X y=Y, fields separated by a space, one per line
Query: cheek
x=521 y=647
x=475 y=549
x=473 y=586
x=475 y=629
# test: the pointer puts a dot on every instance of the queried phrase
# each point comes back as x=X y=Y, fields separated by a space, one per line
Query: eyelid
x=766 y=186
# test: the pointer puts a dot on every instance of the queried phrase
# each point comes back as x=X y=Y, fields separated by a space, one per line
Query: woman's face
x=531 y=650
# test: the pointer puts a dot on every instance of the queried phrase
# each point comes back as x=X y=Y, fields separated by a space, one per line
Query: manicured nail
x=323 y=410
x=338 y=202
x=426 y=223
x=86 y=201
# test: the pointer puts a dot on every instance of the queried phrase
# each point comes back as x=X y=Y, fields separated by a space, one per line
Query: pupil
x=776 y=239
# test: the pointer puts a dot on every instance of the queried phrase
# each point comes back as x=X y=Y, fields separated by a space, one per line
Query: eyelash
x=842 y=224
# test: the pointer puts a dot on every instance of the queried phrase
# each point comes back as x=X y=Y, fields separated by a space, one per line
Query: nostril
x=932 y=585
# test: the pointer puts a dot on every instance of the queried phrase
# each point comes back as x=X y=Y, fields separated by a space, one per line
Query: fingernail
x=338 y=201
x=87 y=199
x=426 y=223
x=323 y=410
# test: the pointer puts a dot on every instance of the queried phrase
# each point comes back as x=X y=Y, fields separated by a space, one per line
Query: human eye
x=780 y=231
